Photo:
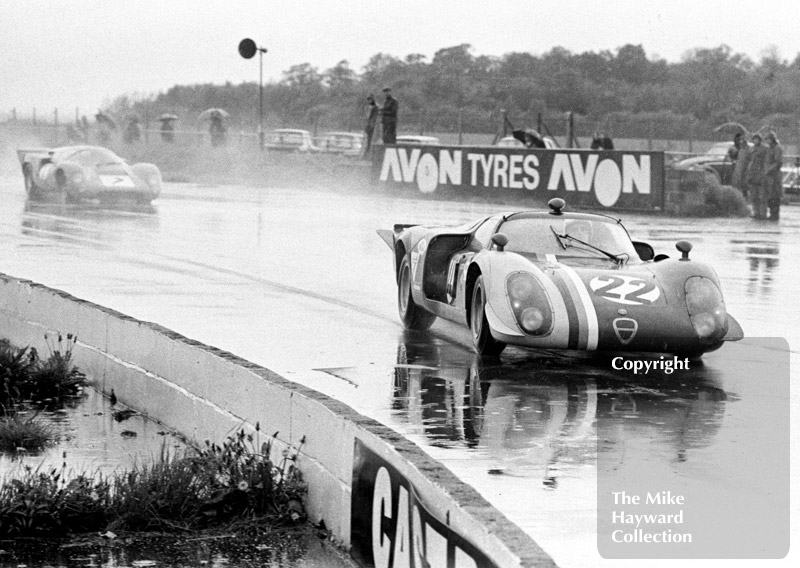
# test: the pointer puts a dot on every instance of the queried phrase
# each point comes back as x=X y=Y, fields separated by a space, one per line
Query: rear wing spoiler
x=389 y=237
x=25 y=154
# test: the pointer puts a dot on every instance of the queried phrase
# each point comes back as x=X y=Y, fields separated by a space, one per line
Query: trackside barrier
x=379 y=494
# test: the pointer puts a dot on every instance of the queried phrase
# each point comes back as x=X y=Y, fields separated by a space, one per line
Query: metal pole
x=261 y=98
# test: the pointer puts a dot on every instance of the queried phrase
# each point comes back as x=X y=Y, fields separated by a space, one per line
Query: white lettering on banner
x=500 y=177
x=381 y=507
x=514 y=171
x=561 y=170
x=409 y=163
x=402 y=544
x=450 y=167
x=486 y=163
x=427 y=174
x=529 y=165
x=607 y=183
x=415 y=543
x=637 y=173
x=604 y=177
x=581 y=172
x=584 y=176
x=391 y=163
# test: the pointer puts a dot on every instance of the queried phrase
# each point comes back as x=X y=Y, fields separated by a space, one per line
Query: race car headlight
x=706 y=307
x=529 y=303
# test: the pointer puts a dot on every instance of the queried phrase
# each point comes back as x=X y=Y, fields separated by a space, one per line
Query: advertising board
x=597 y=179
x=391 y=526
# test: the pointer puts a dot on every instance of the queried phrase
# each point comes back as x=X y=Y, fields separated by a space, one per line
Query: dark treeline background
x=624 y=92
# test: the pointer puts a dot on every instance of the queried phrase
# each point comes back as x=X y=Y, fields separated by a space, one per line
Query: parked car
x=715 y=162
x=74 y=173
x=347 y=143
x=420 y=140
x=791 y=180
x=557 y=280
x=290 y=140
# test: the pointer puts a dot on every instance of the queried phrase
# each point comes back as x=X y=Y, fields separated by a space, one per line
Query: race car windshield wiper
x=558 y=237
x=618 y=258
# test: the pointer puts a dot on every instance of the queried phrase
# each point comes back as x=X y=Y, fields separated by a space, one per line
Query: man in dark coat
x=372 y=112
x=773 y=176
x=389 y=117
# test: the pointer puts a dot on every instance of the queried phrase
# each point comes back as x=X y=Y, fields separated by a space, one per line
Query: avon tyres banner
x=604 y=179
x=392 y=528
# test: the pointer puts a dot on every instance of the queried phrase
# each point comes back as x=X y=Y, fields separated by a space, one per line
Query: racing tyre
x=482 y=338
x=63 y=192
x=413 y=316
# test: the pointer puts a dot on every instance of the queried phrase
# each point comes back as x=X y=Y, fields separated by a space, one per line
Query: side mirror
x=500 y=241
x=684 y=247
x=644 y=250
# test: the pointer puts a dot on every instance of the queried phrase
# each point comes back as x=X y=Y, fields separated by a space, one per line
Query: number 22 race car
x=558 y=280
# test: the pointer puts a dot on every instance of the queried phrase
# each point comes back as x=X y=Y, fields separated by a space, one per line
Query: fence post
x=34 y=116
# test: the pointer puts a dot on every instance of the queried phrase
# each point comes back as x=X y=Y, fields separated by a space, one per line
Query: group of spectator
x=388 y=115
x=757 y=172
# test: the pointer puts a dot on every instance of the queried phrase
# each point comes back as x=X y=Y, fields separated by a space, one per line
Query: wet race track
x=299 y=282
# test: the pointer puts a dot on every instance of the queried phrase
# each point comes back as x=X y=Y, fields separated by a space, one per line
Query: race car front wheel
x=413 y=316
x=482 y=338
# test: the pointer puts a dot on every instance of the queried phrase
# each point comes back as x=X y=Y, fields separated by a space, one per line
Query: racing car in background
x=74 y=173
x=558 y=280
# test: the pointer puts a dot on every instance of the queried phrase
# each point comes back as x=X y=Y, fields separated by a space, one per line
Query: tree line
x=624 y=90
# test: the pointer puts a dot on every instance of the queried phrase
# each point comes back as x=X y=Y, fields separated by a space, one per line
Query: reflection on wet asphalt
x=300 y=283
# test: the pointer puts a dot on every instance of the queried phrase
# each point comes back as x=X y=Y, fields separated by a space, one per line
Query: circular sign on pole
x=247 y=48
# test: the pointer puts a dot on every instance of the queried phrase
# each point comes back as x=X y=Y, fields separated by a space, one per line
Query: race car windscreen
x=92 y=157
x=563 y=237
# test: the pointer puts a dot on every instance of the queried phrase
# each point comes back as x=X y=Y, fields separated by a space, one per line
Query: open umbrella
x=213 y=112
x=732 y=127
x=103 y=118
x=167 y=117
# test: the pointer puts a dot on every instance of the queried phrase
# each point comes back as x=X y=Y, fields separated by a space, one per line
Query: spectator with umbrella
x=216 y=128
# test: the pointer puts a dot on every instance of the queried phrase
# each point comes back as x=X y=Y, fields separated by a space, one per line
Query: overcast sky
x=80 y=53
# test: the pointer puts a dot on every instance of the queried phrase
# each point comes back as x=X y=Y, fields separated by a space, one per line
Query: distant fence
x=50 y=134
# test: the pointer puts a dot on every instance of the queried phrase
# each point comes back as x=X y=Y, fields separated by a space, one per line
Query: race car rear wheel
x=482 y=338
x=413 y=316
x=30 y=185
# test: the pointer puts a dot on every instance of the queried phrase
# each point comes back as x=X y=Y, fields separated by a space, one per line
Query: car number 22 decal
x=625 y=290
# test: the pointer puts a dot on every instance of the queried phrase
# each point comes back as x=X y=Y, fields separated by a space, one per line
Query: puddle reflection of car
x=535 y=423
x=74 y=173
x=418 y=140
x=290 y=140
x=346 y=143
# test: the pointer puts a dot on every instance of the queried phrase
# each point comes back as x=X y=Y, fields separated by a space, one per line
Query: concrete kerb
x=160 y=372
